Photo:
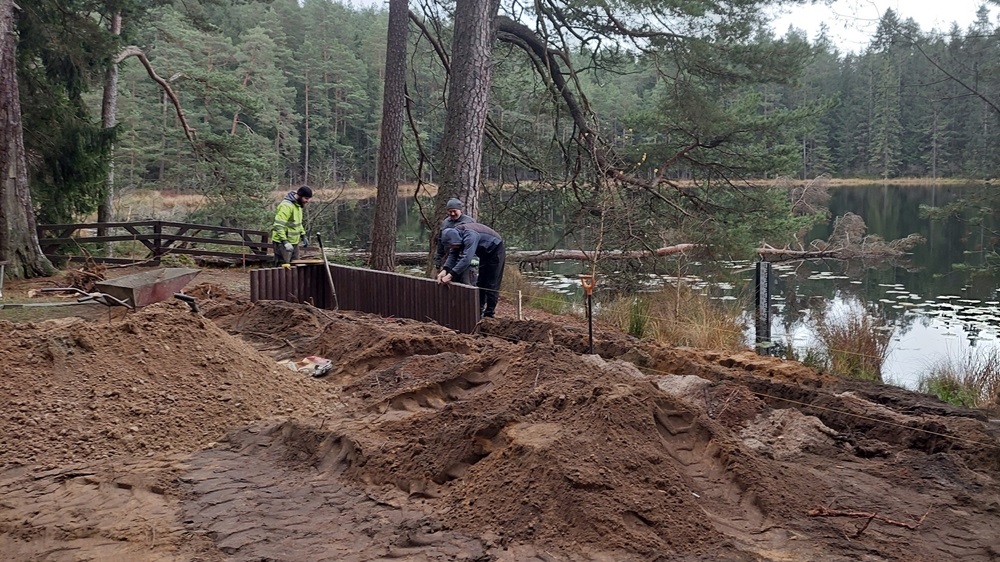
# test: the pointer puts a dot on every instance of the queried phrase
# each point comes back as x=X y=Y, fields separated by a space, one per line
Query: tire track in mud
x=437 y=395
x=80 y=514
x=273 y=493
x=689 y=442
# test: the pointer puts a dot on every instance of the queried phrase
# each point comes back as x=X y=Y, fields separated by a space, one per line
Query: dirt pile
x=699 y=456
x=160 y=380
x=426 y=444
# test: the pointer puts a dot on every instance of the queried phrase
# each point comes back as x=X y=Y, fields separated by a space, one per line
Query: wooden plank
x=95 y=239
x=197 y=252
x=221 y=241
x=94 y=259
x=230 y=229
x=158 y=240
x=95 y=225
x=147 y=241
x=258 y=248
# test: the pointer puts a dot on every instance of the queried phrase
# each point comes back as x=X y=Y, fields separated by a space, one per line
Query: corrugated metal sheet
x=365 y=290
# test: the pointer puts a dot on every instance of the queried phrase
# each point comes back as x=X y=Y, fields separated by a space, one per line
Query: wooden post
x=588 y=288
x=762 y=324
x=157 y=241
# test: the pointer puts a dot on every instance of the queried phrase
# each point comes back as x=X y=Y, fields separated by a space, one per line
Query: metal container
x=148 y=287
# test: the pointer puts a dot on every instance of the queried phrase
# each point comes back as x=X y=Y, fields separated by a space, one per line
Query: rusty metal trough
x=148 y=287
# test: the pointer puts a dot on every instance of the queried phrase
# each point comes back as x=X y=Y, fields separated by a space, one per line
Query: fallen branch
x=827 y=512
x=768 y=253
x=535 y=256
x=785 y=254
x=133 y=51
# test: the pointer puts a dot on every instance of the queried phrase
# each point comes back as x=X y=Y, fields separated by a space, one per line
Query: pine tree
x=18 y=237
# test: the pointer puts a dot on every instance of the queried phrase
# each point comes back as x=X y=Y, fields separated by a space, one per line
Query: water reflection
x=936 y=312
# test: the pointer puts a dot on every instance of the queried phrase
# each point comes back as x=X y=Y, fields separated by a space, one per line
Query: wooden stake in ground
x=329 y=274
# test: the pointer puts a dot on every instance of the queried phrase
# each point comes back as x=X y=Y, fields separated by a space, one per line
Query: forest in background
x=280 y=93
x=267 y=70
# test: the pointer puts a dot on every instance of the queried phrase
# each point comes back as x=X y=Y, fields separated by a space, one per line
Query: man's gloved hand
x=305 y=241
x=286 y=265
x=474 y=262
x=443 y=277
x=288 y=247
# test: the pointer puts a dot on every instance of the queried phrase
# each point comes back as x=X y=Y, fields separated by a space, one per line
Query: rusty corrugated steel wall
x=366 y=290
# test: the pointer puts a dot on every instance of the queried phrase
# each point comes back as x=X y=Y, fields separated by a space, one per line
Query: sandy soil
x=165 y=434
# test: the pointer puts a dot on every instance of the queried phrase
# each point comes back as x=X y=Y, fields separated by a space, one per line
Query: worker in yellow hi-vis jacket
x=288 y=229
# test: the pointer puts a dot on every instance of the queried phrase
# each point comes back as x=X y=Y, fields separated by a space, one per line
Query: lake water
x=936 y=313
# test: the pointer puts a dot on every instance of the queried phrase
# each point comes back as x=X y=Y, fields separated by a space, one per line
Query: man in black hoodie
x=470 y=241
x=455 y=217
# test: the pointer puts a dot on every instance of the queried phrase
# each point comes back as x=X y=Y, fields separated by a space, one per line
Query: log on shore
x=535 y=256
x=770 y=254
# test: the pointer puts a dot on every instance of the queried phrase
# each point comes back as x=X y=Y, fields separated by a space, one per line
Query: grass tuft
x=678 y=316
x=533 y=295
x=856 y=342
x=972 y=381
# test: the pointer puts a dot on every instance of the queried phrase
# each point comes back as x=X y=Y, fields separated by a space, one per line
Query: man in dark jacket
x=466 y=242
x=455 y=217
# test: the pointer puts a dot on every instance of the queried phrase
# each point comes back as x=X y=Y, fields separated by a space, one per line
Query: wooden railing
x=62 y=242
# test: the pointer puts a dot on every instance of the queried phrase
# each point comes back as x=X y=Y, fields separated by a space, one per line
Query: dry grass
x=856 y=342
x=356 y=192
x=153 y=204
x=678 y=316
x=532 y=295
x=169 y=205
x=972 y=381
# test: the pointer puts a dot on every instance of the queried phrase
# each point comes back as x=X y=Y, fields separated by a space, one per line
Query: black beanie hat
x=305 y=191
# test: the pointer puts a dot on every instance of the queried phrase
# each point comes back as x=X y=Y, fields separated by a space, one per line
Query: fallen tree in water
x=537 y=256
x=847 y=242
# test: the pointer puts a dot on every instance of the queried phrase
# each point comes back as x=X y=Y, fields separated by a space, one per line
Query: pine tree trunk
x=305 y=166
x=468 y=96
x=383 y=251
x=109 y=109
x=18 y=237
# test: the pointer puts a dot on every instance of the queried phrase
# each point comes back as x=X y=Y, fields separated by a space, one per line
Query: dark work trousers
x=281 y=256
x=490 y=277
x=471 y=276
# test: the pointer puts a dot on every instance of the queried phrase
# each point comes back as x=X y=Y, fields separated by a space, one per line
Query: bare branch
x=520 y=35
x=134 y=51
x=827 y=512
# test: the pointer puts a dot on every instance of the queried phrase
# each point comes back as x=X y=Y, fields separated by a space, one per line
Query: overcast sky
x=852 y=23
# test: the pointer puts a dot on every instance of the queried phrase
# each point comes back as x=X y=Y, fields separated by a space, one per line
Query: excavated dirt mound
x=158 y=381
x=170 y=435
